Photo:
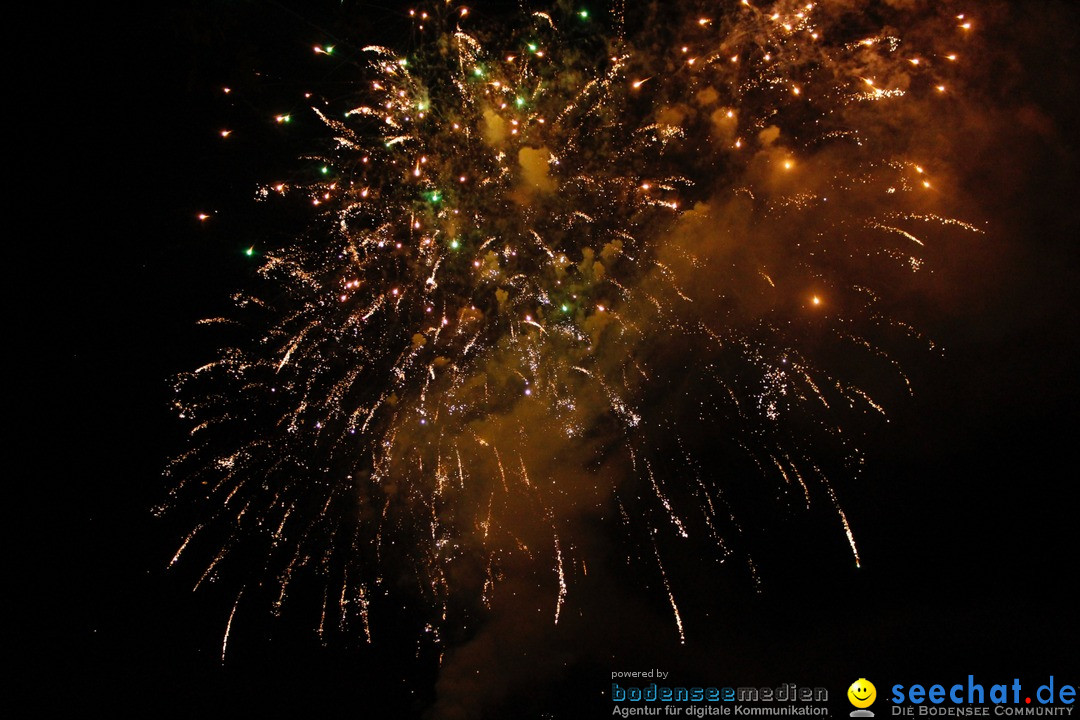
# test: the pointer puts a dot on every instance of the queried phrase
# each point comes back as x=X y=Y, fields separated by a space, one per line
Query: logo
x=862 y=694
x=973 y=698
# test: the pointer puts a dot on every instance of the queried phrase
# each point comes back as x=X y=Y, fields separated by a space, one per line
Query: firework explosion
x=558 y=269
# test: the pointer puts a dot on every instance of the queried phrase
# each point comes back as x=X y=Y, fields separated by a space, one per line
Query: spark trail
x=617 y=250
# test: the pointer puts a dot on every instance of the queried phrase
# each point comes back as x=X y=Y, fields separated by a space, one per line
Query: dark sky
x=968 y=528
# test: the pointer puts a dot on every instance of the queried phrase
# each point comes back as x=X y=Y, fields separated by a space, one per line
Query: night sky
x=966 y=515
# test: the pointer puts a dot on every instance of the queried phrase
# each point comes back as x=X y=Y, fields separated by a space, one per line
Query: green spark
x=532 y=47
x=250 y=252
x=519 y=101
x=454 y=244
x=583 y=14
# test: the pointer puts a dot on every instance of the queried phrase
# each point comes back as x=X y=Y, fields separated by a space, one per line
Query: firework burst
x=566 y=269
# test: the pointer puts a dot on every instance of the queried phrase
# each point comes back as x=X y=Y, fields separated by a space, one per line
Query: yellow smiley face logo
x=862 y=693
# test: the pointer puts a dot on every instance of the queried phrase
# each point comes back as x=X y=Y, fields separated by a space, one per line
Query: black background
x=967 y=528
